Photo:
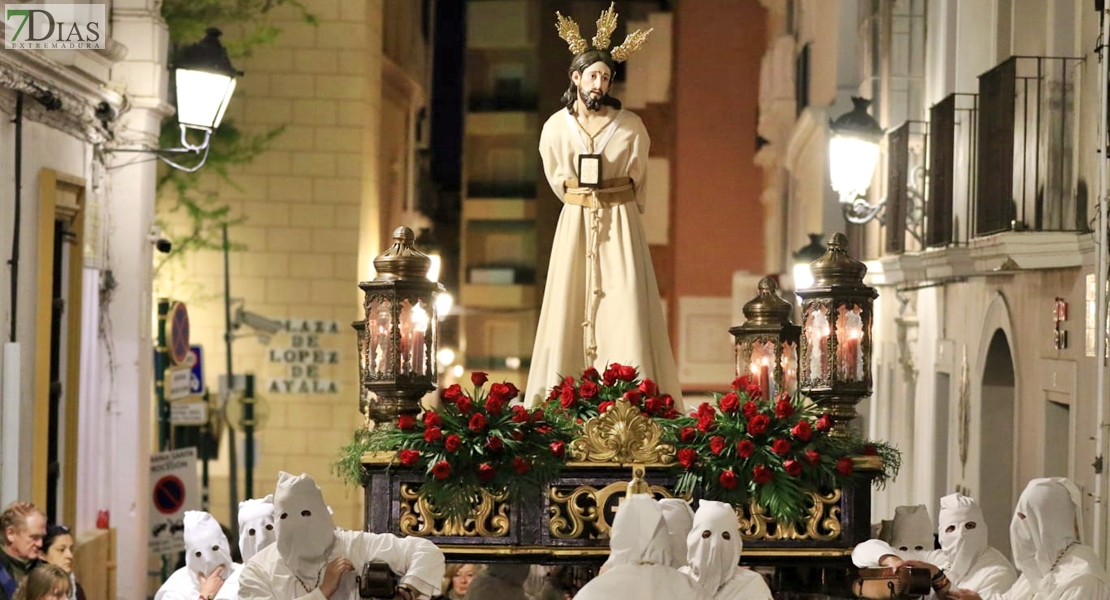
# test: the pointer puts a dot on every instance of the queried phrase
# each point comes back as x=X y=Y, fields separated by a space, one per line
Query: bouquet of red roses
x=475 y=442
x=776 y=450
x=594 y=393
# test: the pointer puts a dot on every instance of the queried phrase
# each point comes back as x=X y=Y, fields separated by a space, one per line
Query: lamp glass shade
x=852 y=163
x=202 y=97
x=379 y=328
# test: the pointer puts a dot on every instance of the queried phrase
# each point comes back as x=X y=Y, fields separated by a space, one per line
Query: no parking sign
x=173 y=481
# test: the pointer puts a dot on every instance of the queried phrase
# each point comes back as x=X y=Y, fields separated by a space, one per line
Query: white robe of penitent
x=206 y=548
x=307 y=541
x=627 y=316
x=713 y=549
x=639 y=555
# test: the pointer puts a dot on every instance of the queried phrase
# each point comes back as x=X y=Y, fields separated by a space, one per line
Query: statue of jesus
x=601 y=303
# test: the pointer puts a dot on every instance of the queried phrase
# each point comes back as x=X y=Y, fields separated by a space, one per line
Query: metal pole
x=248 y=432
x=1098 y=539
x=203 y=448
x=232 y=454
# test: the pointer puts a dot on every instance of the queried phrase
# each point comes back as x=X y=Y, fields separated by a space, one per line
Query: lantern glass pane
x=416 y=319
x=849 y=343
x=379 y=329
x=762 y=367
x=851 y=164
x=202 y=97
x=817 y=331
x=363 y=341
x=789 y=363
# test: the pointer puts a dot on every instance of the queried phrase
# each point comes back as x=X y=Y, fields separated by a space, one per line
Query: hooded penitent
x=639 y=534
x=912 y=531
x=679 y=518
x=206 y=546
x=962 y=532
x=713 y=546
x=303 y=525
x=256 y=525
x=1044 y=526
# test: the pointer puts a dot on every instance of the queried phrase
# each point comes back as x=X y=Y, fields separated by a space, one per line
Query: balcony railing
x=906 y=175
x=1027 y=121
x=954 y=129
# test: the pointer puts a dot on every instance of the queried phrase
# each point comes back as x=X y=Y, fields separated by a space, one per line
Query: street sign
x=189 y=413
x=195 y=364
x=177 y=332
x=173 y=477
x=178 y=382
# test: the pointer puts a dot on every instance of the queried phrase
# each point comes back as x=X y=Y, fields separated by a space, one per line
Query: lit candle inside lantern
x=817 y=334
x=765 y=379
x=419 y=328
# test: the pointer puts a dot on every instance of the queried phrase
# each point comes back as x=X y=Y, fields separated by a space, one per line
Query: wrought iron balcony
x=953 y=123
x=906 y=178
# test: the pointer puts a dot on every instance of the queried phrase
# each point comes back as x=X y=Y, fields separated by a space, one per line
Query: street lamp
x=398 y=340
x=853 y=154
x=803 y=277
x=767 y=342
x=836 y=344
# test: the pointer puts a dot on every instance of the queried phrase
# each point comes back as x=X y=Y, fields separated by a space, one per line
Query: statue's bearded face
x=593 y=84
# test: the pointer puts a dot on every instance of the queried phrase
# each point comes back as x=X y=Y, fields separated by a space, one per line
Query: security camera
x=161 y=242
x=264 y=326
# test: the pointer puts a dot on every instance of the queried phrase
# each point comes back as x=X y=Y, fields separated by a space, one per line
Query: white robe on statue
x=206 y=548
x=307 y=541
x=627 y=316
x=639 y=555
x=713 y=550
x=1054 y=564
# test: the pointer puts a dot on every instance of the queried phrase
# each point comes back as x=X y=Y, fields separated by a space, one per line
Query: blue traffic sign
x=196 y=385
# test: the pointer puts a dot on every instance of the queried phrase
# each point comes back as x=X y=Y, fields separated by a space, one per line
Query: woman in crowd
x=46 y=582
x=456 y=580
x=57 y=549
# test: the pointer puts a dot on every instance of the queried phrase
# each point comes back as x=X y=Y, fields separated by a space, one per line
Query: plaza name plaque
x=305 y=356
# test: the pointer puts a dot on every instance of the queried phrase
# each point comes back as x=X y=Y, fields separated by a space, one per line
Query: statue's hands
x=333 y=574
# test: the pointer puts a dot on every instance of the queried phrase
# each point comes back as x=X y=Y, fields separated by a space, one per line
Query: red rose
x=754 y=391
x=653 y=405
x=812 y=457
x=671 y=414
x=687 y=457
x=869 y=450
x=793 y=468
x=802 y=430
x=464 y=404
x=441 y=470
x=610 y=376
x=729 y=403
x=784 y=409
x=432 y=434
x=558 y=448
x=741 y=383
x=706 y=424
x=498 y=391
x=705 y=409
x=431 y=419
x=494 y=405
x=409 y=457
x=452 y=442
x=452 y=393
x=716 y=444
x=486 y=473
x=648 y=388
x=588 y=390
x=590 y=374
x=762 y=475
x=728 y=479
x=543 y=429
x=566 y=397
x=668 y=401
x=406 y=422
x=780 y=447
x=511 y=391
x=824 y=423
x=687 y=434
x=626 y=373
x=518 y=434
x=494 y=443
x=745 y=448
x=478 y=378
x=521 y=465
x=750 y=409
x=604 y=406
x=633 y=397
x=844 y=466
x=759 y=424
x=537 y=415
x=477 y=422
x=520 y=414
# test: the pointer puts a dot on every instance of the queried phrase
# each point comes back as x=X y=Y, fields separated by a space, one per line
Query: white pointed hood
x=713 y=546
x=206 y=545
x=913 y=530
x=1045 y=524
x=967 y=540
x=679 y=518
x=256 y=525
x=304 y=526
x=639 y=534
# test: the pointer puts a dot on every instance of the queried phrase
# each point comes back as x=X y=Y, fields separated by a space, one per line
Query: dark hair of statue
x=579 y=64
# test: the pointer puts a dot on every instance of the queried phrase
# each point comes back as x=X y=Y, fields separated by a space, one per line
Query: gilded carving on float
x=490 y=517
x=586 y=512
x=622 y=435
x=822 y=522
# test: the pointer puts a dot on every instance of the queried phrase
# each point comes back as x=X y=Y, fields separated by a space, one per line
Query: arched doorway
x=996 y=432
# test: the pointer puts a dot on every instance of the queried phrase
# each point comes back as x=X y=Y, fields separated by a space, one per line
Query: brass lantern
x=398 y=343
x=837 y=315
x=767 y=342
